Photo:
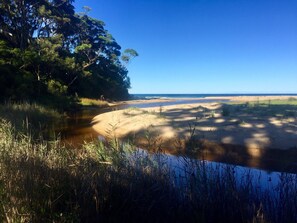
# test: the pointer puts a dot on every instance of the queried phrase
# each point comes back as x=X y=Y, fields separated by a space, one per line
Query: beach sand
x=172 y=128
x=230 y=98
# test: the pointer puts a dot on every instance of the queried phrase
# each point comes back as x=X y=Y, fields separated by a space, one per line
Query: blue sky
x=205 y=46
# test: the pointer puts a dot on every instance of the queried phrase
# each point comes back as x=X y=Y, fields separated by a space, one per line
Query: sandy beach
x=255 y=128
x=230 y=98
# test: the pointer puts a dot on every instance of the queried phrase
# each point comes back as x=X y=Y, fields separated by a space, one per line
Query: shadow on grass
x=138 y=190
x=108 y=182
x=28 y=117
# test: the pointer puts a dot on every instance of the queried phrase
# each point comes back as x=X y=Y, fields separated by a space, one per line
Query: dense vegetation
x=48 y=53
x=44 y=181
x=51 y=55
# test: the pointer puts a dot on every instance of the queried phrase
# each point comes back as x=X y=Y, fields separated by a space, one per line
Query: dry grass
x=43 y=181
x=93 y=102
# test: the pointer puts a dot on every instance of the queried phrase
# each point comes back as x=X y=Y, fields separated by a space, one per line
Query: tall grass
x=24 y=116
x=44 y=181
x=93 y=102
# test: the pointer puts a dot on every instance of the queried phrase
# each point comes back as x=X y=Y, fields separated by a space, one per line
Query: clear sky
x=205 y=46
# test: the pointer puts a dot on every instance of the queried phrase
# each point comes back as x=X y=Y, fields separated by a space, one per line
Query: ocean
x=156 y=96
x=187 y=98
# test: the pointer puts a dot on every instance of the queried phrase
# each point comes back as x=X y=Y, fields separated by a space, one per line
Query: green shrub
x=292 y=99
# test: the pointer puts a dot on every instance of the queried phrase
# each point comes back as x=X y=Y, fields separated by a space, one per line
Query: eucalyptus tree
x=100 y=57
x=35 y=33
x=46 y=46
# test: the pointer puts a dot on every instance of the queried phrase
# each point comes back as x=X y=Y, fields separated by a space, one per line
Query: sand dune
x=255 y=128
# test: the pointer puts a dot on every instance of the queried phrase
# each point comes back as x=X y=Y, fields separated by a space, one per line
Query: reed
x=25 y=116
x=93 y=102
x=114 y=181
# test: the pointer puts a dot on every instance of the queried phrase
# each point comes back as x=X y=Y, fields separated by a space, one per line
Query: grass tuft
x=93 y=102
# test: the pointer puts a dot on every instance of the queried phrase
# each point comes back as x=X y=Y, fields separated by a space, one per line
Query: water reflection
x=183 y=168
x=77 y=129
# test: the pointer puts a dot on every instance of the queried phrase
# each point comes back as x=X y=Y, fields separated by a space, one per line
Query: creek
x=77 y=129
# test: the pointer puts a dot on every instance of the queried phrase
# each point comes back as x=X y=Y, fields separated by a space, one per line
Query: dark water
x=183 y=166
x=77 y=129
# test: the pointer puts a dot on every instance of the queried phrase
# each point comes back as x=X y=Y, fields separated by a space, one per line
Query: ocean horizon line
x=171 y=95
x=214 y=93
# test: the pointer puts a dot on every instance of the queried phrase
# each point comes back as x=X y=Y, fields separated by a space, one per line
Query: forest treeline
x=49 y=53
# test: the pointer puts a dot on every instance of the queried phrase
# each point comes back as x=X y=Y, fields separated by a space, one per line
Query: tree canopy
x=49 y=52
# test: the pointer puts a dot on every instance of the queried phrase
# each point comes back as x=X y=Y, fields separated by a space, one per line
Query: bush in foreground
x=114 y=182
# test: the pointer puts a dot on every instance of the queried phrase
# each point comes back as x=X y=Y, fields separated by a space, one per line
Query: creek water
x=77 y=128
x=182 y=168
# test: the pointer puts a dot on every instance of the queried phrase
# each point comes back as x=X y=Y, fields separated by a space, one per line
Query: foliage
x=47 y=51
